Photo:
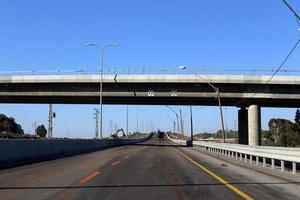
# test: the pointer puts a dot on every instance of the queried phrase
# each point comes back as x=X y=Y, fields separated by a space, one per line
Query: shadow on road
x=159 y=145
x=143 y=186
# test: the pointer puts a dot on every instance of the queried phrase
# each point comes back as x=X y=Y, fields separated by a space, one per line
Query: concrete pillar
x=243 y=126
x=254 y=125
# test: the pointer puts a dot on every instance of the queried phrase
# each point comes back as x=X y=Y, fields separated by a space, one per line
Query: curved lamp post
x=101 y=49
x=177 y=118
x=216 y=89
x=174 y=123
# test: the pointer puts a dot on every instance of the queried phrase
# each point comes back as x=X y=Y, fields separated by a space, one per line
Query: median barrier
x=14 y=152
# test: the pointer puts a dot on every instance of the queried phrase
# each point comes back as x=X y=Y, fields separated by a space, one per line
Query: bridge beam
x=243 y=125
x=254 y=125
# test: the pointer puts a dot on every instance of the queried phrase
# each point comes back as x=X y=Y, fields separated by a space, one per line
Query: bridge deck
x=282 y=91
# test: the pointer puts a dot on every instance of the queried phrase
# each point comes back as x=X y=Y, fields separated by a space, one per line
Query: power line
x=294 y=47
x=284 y=61
x=292 y=50
x=292 y=10
x=281 y=65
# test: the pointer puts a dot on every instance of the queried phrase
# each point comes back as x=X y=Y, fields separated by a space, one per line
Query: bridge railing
x=258 y=155
x=176 y=141
x=6 y=71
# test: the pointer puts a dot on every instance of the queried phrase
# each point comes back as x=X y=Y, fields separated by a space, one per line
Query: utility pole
x=235 y=125
x=116 y=127
x=174 y=123
x=142 y=125
x=127 y=122
x=34 y=126
x=190 y=143
x=110 y=127
x=181 y=123
x=225 y=122
x=152 y=127
x=216 y=89
x=137 y=121
x=177 y=119
x=221 y=114
x=50 y=121
x=96 y=113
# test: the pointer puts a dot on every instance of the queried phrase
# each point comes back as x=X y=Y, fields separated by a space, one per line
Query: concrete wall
x=14 y=152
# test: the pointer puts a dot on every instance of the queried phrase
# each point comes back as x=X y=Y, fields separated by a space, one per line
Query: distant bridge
x=249 y=93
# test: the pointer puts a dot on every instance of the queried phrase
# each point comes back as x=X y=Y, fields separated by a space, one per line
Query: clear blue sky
x=154 y=34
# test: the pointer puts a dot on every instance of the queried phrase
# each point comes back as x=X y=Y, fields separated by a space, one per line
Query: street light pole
x=174 y=126
x=181 y=124
x=101 y=90
x=174 y=123
x=127 y=122
x=216 y=89
x=190 y=143
x=34 y=126
x=101 y=49
x=177 y=118
x=137 y=121
x=221 y=115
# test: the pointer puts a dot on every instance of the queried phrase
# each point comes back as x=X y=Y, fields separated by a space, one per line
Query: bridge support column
x=243 y=126
x=254 y=125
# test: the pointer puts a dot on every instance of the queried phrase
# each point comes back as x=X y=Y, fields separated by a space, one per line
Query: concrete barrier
x=14 y=152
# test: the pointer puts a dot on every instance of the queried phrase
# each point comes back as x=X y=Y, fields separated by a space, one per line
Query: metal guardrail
x=177 y=141
x=249 y=154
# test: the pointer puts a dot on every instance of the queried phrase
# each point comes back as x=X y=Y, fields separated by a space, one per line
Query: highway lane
x=151 y=170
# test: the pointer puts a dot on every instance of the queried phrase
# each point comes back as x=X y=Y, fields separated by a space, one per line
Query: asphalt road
x=151 y=170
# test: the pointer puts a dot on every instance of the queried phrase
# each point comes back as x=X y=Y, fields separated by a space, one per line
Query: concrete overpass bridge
x=248 y=93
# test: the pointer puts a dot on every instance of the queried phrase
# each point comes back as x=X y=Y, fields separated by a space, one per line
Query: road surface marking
x=231 y=187
x=115 y=163
x=89 y=177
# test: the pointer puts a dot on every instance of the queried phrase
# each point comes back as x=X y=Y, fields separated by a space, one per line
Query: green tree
x=9 y=125
x=264 y=133
x=283 y=132
x=41 y=131
x=231 y=134
x=297 y=117
x=219 y=134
